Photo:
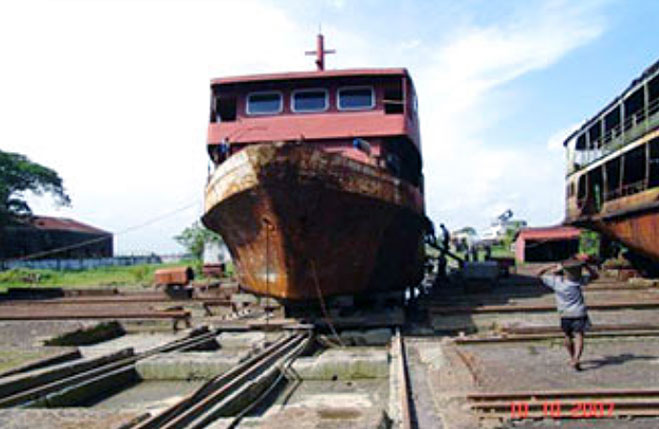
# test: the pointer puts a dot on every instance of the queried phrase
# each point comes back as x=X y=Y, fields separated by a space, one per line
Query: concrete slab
x=189 y=365
x=319 y=404
x=241 y=339
x=344 y=364
x=607 y=363
x=149 y=396
x=139 y=342
x=65 y=418
x=367 y=337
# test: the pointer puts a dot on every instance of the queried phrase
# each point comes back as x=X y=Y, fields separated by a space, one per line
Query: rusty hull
x=633 y=220
x=301 y=222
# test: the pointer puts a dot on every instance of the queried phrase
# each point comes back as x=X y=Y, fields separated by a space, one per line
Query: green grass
x=136 y=275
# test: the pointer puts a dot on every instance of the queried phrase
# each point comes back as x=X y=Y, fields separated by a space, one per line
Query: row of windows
x=310 y=100
x=632 y=172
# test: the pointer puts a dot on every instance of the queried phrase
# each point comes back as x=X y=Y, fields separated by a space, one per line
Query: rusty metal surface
x=287 y=210
x=173 y=276
x=632 y=220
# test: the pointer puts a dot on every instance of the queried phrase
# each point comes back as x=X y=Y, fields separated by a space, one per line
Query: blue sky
x=114 y=94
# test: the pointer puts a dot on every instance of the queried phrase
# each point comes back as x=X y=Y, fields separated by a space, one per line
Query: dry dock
x=461 y=358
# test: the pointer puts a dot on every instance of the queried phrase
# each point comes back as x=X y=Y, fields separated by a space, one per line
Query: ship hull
x=302 y=223
x=639 y=232
x=632 y=220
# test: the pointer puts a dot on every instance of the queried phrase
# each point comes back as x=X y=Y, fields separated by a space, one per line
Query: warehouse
x=546 y=244
x=43 y=237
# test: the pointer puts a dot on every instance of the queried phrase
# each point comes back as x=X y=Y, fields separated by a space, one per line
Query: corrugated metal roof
x=317 y=74
x=64 y=224
x=558 y=232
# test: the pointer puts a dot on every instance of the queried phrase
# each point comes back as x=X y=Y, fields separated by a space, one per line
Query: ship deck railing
x=622 y=191
x=634 y=127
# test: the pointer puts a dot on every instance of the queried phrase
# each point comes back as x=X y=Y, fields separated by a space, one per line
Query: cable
x=322 y=304
x=96 y=240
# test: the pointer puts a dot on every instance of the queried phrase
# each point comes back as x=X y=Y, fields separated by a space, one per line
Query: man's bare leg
x=578 y=349
x=569 y=345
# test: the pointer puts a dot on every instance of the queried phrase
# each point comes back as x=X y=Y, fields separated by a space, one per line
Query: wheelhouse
x=369 y=115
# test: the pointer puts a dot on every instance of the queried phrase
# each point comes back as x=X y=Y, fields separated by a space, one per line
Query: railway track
x=233 y=393
x=407 y=419
x=567 y=404
x=531 y=308
x=56 y=387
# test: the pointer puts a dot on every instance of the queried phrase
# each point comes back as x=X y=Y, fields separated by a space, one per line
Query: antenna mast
x=320 y=52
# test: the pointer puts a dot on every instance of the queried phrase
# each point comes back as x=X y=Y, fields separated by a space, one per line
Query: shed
x=546 y=244
x=54 y=237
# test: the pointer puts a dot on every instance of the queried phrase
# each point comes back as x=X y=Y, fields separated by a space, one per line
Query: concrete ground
x=328 y=405
x=350 y=388
x=64 y=418
x=148 y=396
x=608 y=362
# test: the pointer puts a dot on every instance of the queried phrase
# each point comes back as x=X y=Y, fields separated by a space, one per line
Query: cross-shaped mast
x=320 y=52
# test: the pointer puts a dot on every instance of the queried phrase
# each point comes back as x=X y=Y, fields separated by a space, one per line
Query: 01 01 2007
x=560 y=409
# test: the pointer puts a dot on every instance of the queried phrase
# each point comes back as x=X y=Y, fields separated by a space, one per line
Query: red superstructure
x=390 y=125
x=315 y=154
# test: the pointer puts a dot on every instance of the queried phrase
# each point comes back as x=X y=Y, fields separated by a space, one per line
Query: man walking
x=446 y=237
x=566 y=281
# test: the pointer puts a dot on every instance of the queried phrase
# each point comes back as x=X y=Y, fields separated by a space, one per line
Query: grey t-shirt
x=569 y=298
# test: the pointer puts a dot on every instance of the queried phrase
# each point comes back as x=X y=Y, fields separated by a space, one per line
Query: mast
x=320 y=52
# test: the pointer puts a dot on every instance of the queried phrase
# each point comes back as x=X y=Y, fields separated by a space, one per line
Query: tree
x=195 y=237
x=19 y=175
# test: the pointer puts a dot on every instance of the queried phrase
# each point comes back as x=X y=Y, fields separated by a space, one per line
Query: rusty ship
x=613 y=170
x=316 y=181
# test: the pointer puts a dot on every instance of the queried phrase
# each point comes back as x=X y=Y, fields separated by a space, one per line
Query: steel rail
x=179 y=315
x=551 y=394
x=37 y=392
x=403 y=382
x=199 y=406
x=510 y=338
x=157 y=420
x=574 y=404
x=283 y=368
x=201 y=412
x=551 y=329
x=512 y=308
x=115 y=300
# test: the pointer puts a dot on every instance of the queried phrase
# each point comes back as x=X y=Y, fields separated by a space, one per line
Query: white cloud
x=555 y=141
x=114 y=96
x=468 y=178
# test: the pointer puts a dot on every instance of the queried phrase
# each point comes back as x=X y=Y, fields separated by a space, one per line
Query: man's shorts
x=570 y=325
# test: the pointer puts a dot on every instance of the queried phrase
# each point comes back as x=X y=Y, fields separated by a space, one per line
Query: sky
x=114 y=95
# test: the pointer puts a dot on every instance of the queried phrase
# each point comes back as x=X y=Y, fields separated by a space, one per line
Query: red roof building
x=546 y=244
x=44 y=237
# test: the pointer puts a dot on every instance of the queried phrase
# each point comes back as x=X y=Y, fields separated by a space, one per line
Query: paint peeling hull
x=300 y=223
x=632 y=220
x=639 y=232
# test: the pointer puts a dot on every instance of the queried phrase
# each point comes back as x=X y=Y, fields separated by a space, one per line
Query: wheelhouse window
x=264 y=103
x=310 y=100
x=356 y=98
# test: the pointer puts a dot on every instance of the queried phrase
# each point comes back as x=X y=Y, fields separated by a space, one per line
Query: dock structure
x=454 y=356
